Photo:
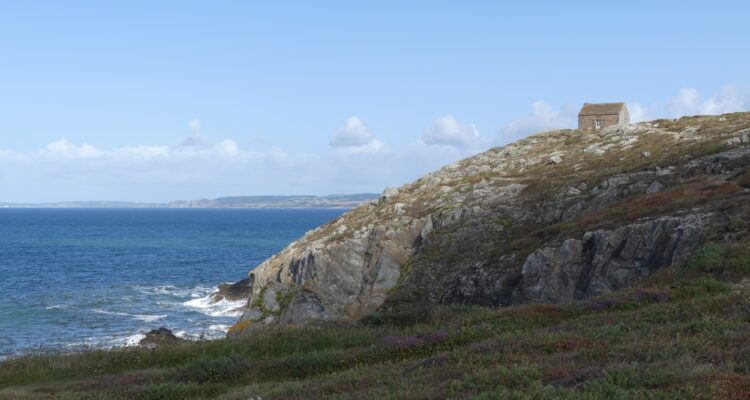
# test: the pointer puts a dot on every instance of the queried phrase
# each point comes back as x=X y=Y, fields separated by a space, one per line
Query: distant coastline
x=300 y=201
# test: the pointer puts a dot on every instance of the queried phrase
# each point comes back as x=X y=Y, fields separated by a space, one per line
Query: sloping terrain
x=556 y=217
x=679 y=334
x=569 y=265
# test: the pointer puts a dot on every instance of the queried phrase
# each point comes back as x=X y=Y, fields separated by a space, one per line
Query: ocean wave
x=211 y=333
x=105 y=342
x=149 y=318
x=133 y=340
x=174 y=291
x=140 y=317
x=221 y=308
x=221 y=328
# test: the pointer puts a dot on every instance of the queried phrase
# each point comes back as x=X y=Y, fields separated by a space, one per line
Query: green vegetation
x=405 y=271
x=711 y=134
x=259 y=304
x=285 y=299
x=680 y=334
x=722 y=258
x=692 y=194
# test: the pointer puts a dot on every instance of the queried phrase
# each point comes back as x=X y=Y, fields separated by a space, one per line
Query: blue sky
x=162 y=100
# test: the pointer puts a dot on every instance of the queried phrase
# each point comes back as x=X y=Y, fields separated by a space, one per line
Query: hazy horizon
x=187 y=200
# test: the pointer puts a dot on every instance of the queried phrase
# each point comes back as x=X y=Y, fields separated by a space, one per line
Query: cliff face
x=555 y=217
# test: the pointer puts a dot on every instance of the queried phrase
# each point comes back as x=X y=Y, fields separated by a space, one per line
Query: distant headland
x=298 y=201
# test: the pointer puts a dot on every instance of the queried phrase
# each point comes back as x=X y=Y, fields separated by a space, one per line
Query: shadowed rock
x=159 y=338
x=234 y=291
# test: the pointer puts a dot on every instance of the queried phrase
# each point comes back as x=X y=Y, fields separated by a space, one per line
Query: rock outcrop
x=160 y=338
x=607 y=260
x=556 y=217
x=237 y=291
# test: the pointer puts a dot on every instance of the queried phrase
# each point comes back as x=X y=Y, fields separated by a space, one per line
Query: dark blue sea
x=77 y=278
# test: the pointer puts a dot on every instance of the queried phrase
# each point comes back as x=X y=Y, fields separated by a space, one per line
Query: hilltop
x=556 y=217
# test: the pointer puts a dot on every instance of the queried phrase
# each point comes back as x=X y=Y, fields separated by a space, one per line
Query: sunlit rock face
x=555 y=217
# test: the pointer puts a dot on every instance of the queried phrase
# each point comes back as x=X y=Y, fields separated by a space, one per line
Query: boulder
x=159 y=338
x=234 y=291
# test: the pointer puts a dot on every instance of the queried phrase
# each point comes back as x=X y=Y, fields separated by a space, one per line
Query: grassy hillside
x=661 y=210
x=681 y=334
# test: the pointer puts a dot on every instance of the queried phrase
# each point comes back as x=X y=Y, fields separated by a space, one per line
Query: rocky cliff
x=555 y=217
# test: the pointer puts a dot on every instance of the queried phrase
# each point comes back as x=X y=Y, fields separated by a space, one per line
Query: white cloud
x=69 y=171
x=227 y=147
x=688 y=101
x=354 y=137
x=542 y=118
x=142 y=152
x=372 y=146
x=194 y=140
x=354 y=133
x=448 y=131
x=638 y=113
x=729 y=99
x=62 y=170
x=356 y=162
x=63 y=148
x=194 y=125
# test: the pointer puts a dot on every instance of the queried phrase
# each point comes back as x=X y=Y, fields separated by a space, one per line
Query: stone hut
x=601 y=115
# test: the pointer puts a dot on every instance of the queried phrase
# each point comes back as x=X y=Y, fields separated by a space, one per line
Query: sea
x=73 y=279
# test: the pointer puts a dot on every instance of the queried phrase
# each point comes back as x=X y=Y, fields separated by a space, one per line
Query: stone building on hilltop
x=601 y=115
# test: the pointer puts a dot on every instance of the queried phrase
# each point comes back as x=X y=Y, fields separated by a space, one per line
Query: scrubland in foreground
x=680 y=334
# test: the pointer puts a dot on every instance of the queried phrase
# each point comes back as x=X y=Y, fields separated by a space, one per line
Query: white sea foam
x=219 y=328
x=168 y=289
x=174 y=291
x=171 y=299
x=221 y=308
x=105 y=312
x=133 y=340
x=148 y=318
x=128 y=340
x=140 y=317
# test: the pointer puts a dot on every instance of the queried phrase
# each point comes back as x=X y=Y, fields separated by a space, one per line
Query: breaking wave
x=140 y=317
x=222 y=308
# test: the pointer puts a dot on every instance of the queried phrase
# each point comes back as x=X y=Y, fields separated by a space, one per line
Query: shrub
x=213 y=369
x=172 y=391
x=700 y=287
x=718 y=258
